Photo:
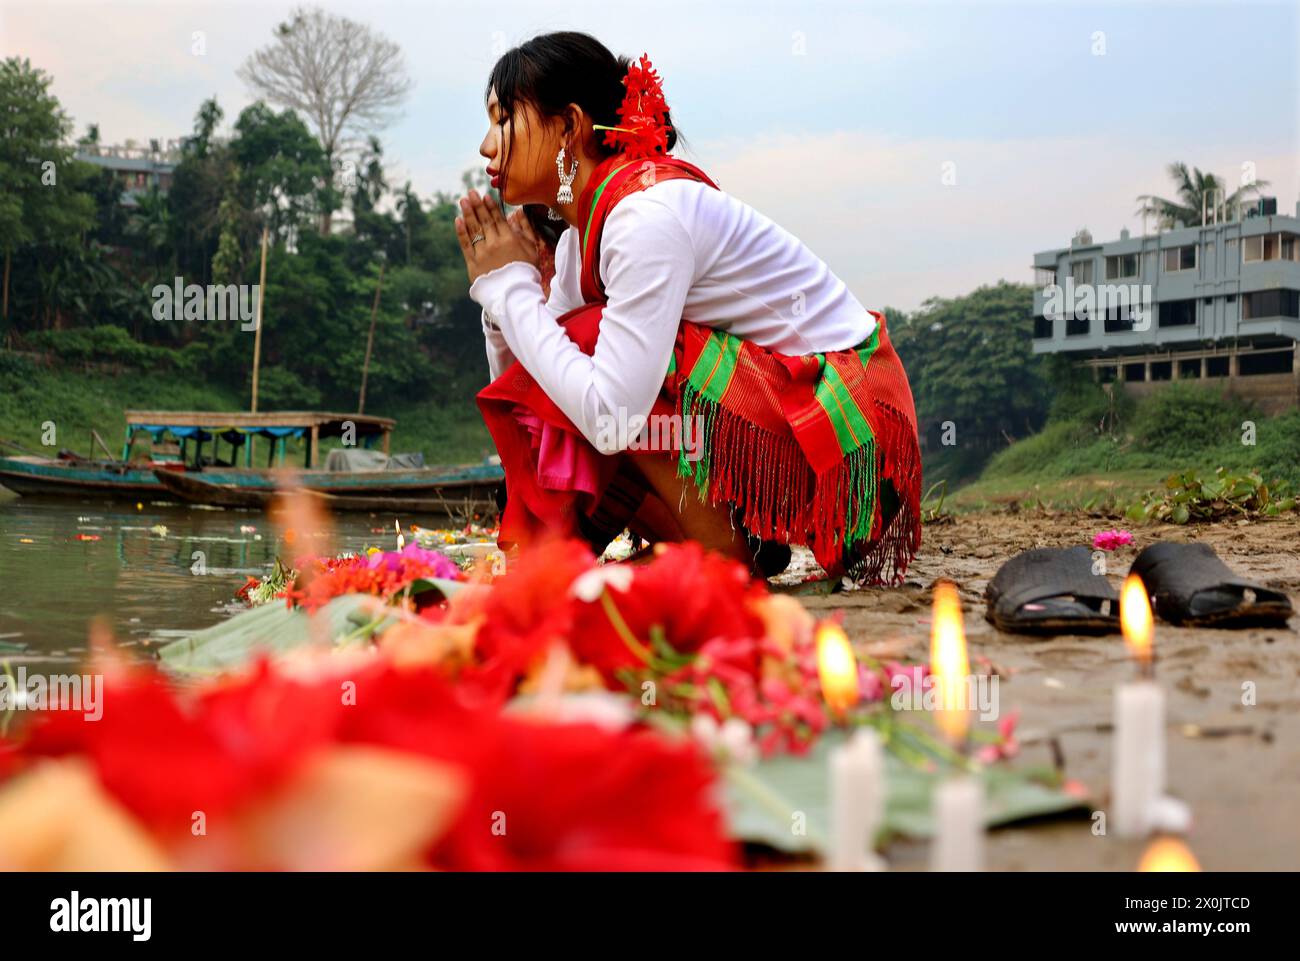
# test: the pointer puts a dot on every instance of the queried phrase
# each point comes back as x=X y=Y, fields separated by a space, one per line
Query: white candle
x=1138 y=762
x=857 y=770
x=1138 y=775
x=958 y=809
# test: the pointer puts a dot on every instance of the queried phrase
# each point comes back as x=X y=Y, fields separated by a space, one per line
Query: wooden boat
x=452 y=498
x=79 y=477
x=50 y=476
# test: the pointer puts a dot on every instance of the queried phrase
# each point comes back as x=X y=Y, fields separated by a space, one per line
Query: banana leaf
x=275 y=628
x=784 y=801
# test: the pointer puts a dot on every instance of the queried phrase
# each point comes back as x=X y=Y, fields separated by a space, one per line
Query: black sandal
x=1052 y=590
x=1189 y=585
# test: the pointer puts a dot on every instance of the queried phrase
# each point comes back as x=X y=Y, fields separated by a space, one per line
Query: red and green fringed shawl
x=800 y=444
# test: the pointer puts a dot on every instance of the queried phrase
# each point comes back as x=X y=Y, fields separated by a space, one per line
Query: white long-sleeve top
x=678 y=248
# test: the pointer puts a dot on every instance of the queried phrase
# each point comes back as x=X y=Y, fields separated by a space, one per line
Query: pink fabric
x=565 y=461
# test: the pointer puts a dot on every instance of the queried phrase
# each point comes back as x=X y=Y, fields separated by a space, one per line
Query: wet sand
x=1237 y=766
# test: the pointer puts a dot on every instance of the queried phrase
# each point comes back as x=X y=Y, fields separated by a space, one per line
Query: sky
x=921 y=149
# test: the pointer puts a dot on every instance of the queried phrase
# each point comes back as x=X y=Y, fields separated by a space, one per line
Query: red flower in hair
x=643 y=126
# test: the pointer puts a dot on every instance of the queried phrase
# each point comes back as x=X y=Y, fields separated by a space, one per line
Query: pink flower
x=869 y=683
x=1111 y=540
x=907 y=677
x=1008 y=746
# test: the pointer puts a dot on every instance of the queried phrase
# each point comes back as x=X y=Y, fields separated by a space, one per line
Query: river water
x=154 y=571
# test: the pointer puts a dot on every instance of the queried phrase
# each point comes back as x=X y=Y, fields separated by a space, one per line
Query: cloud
x=879 y=212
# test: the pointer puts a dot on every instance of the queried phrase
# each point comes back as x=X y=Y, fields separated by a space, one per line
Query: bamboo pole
x=257 y=336
x=370 y=341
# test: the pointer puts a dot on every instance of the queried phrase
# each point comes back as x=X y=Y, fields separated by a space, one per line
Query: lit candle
x=837 y=669
x=1138 y=774
x=857 y=772
x=958 y=804
x=401 y=540
x=1168 y=854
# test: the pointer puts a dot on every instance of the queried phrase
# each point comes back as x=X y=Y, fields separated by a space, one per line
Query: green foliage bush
x=1181 y=422
x=104 y=344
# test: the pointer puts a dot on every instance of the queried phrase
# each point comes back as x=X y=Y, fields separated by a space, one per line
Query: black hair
x=548 y=73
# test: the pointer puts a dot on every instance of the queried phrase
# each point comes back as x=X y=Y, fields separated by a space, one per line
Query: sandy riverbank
x=1237 y=766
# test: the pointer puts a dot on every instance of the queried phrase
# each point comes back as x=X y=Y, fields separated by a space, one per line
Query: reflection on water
x=64 y=561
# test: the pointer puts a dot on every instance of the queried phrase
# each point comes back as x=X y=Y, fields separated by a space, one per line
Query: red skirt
x=801 y=446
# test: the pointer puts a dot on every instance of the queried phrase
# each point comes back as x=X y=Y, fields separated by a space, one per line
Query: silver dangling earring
x=565 y=194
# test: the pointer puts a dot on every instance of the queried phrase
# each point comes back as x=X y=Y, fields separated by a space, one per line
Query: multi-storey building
x=1216 y=302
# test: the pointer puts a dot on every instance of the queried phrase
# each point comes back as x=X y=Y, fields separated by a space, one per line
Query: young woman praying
x=664 y=358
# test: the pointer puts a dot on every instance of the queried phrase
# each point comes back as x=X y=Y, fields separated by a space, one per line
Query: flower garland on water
x=314 y=581
x=688 y=638
x=383 y=574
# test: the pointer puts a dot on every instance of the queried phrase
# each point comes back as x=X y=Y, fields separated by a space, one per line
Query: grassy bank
x=1097 y=448
x=76 y=402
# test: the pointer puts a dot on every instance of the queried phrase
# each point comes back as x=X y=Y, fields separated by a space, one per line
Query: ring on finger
x=476 y=238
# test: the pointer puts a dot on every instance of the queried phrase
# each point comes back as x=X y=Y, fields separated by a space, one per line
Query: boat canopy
x=235 y=427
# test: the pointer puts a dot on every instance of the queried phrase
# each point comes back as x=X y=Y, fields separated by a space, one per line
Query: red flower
x=526 y=610
x=540 y=796
x=548 y=796
x=642 y=115
x=166 y=757
x=382 y=573
x=691 y=594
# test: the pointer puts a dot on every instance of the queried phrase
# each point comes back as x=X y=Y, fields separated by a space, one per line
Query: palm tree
x=1196 y=190
x=408 y=205
x=152 y=224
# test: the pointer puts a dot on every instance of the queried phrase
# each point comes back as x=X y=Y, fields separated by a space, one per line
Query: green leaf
x=1180 y=514
x=441 y=584
x=762 y=800
x=271 y=629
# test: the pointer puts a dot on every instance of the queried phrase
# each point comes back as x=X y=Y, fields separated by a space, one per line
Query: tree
x=42 y=202
x=970 y=364
x=1196 y=191
x=153 y=225
x=198 y=187
x=344 y=77
x=282 y=169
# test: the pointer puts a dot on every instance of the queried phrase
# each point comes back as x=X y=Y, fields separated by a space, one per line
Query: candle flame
x=948 y=663
x=1135 y=618
x=837 y=667
x=1168 y=854
x=401 y=541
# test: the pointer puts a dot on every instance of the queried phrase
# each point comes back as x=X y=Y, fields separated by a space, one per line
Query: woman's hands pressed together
x=503 y=240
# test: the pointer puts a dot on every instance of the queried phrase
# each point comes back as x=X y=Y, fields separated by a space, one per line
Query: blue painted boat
x=48 y=476
x=78 y=477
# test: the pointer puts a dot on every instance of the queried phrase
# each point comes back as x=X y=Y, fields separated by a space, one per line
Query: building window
x=1135 y=372
x=1189 y=369
x=1121 y=265
x=1078 y=326
x=1081 y=272
x=1042 y=328
x=1270 y=303
x=1273 y=362
x=1180 y=258
x=1106 y=374
x=1216 y=367
x=1118 y=320
x=1044 y=277
x=1277 y=246
x=1161 y=370
x=1178 y=313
